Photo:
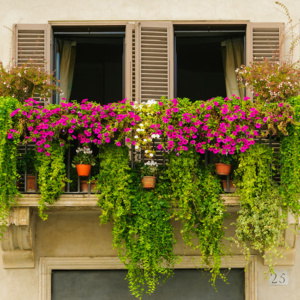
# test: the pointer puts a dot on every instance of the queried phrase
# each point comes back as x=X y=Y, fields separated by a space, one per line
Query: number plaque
x=279 y=278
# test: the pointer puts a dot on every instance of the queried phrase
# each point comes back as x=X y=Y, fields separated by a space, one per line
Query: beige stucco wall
x=78 y=234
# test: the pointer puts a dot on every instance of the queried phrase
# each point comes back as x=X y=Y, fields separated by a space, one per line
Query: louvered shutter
x=154 y=60
x=264 y=40
x=130 y=82
x=33 y=43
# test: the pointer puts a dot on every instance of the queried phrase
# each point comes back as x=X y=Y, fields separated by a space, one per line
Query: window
x=144 y=66
x=205 y=60
x=90 y=62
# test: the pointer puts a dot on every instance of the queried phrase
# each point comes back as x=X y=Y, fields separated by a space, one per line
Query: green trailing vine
x=196 y=194
x=142 y=231
x=290 y=162
x=260 y=221
x=51 y=176
x=8 y=158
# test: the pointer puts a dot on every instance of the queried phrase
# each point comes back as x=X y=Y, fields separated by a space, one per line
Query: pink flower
x=159 y=147
x=127 y=140
x=118 y=144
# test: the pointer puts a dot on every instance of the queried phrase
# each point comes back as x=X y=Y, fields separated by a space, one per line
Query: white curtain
x=67 y=64
x=233 y=58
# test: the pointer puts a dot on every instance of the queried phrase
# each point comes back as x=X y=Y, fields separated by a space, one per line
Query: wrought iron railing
x=75 y=184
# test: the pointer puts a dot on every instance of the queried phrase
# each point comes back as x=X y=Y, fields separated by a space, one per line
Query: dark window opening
x=111 y=284
x=200 y=55
x=96 y=67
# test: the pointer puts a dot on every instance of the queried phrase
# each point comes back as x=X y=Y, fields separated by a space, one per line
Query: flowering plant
x=269 y=80
x=83 y=157
x=149 y=168
x=219 y=125
x=25 y=81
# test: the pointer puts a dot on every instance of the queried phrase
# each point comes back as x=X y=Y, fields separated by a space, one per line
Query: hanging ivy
x=142 y=232
x=8 y=157
x=51 y=176
x=196 y=194
x=290 y=162
x=260 y=220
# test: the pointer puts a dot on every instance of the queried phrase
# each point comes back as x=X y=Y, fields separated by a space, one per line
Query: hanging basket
x=83 y=170
x=149 y=182
x=223 y=169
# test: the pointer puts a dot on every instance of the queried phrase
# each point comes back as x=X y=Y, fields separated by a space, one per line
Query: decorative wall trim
x=47 y=264
x=17 y=241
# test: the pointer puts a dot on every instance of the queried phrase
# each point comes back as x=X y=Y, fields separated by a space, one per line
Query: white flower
x=145 y=140
x=137 y=147
x=141 y=125
x=136 y=137
x=151 y=154
x=146 y=151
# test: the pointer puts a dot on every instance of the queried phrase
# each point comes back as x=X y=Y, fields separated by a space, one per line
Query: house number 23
x=279 y=278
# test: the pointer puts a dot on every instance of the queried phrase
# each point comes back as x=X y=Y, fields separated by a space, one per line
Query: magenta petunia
x=118 y=144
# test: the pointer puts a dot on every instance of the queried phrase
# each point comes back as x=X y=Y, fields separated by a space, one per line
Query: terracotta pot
x=223 y=169
x=84 y=186
x=149 y=182
x=232 y=188
x=30 y=183
x=83 y=170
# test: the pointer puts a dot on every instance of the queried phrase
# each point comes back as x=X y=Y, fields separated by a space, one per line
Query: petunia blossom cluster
x=219 y=125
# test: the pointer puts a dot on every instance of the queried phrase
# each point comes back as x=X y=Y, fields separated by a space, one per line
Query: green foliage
x=196 y=193
x=8 y=158
x=261 y=221
x=142 y=232
x=225 y=159
x=290 y=162
x=52 y=176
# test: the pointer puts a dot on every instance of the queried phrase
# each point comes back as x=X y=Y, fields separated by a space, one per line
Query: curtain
x=67 y=64
x=233 y=58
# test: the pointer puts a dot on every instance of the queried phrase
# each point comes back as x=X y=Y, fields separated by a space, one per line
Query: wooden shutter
x=130 y=75
x=154 y=60
x=264 y=40
x=33 y=43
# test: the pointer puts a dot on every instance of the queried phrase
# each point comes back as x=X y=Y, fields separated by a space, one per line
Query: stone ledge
x=90 y=200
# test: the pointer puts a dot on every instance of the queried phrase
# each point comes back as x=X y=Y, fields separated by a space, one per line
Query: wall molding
x=47 y=264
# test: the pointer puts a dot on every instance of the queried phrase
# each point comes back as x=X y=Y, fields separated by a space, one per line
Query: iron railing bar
x=68 y=168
